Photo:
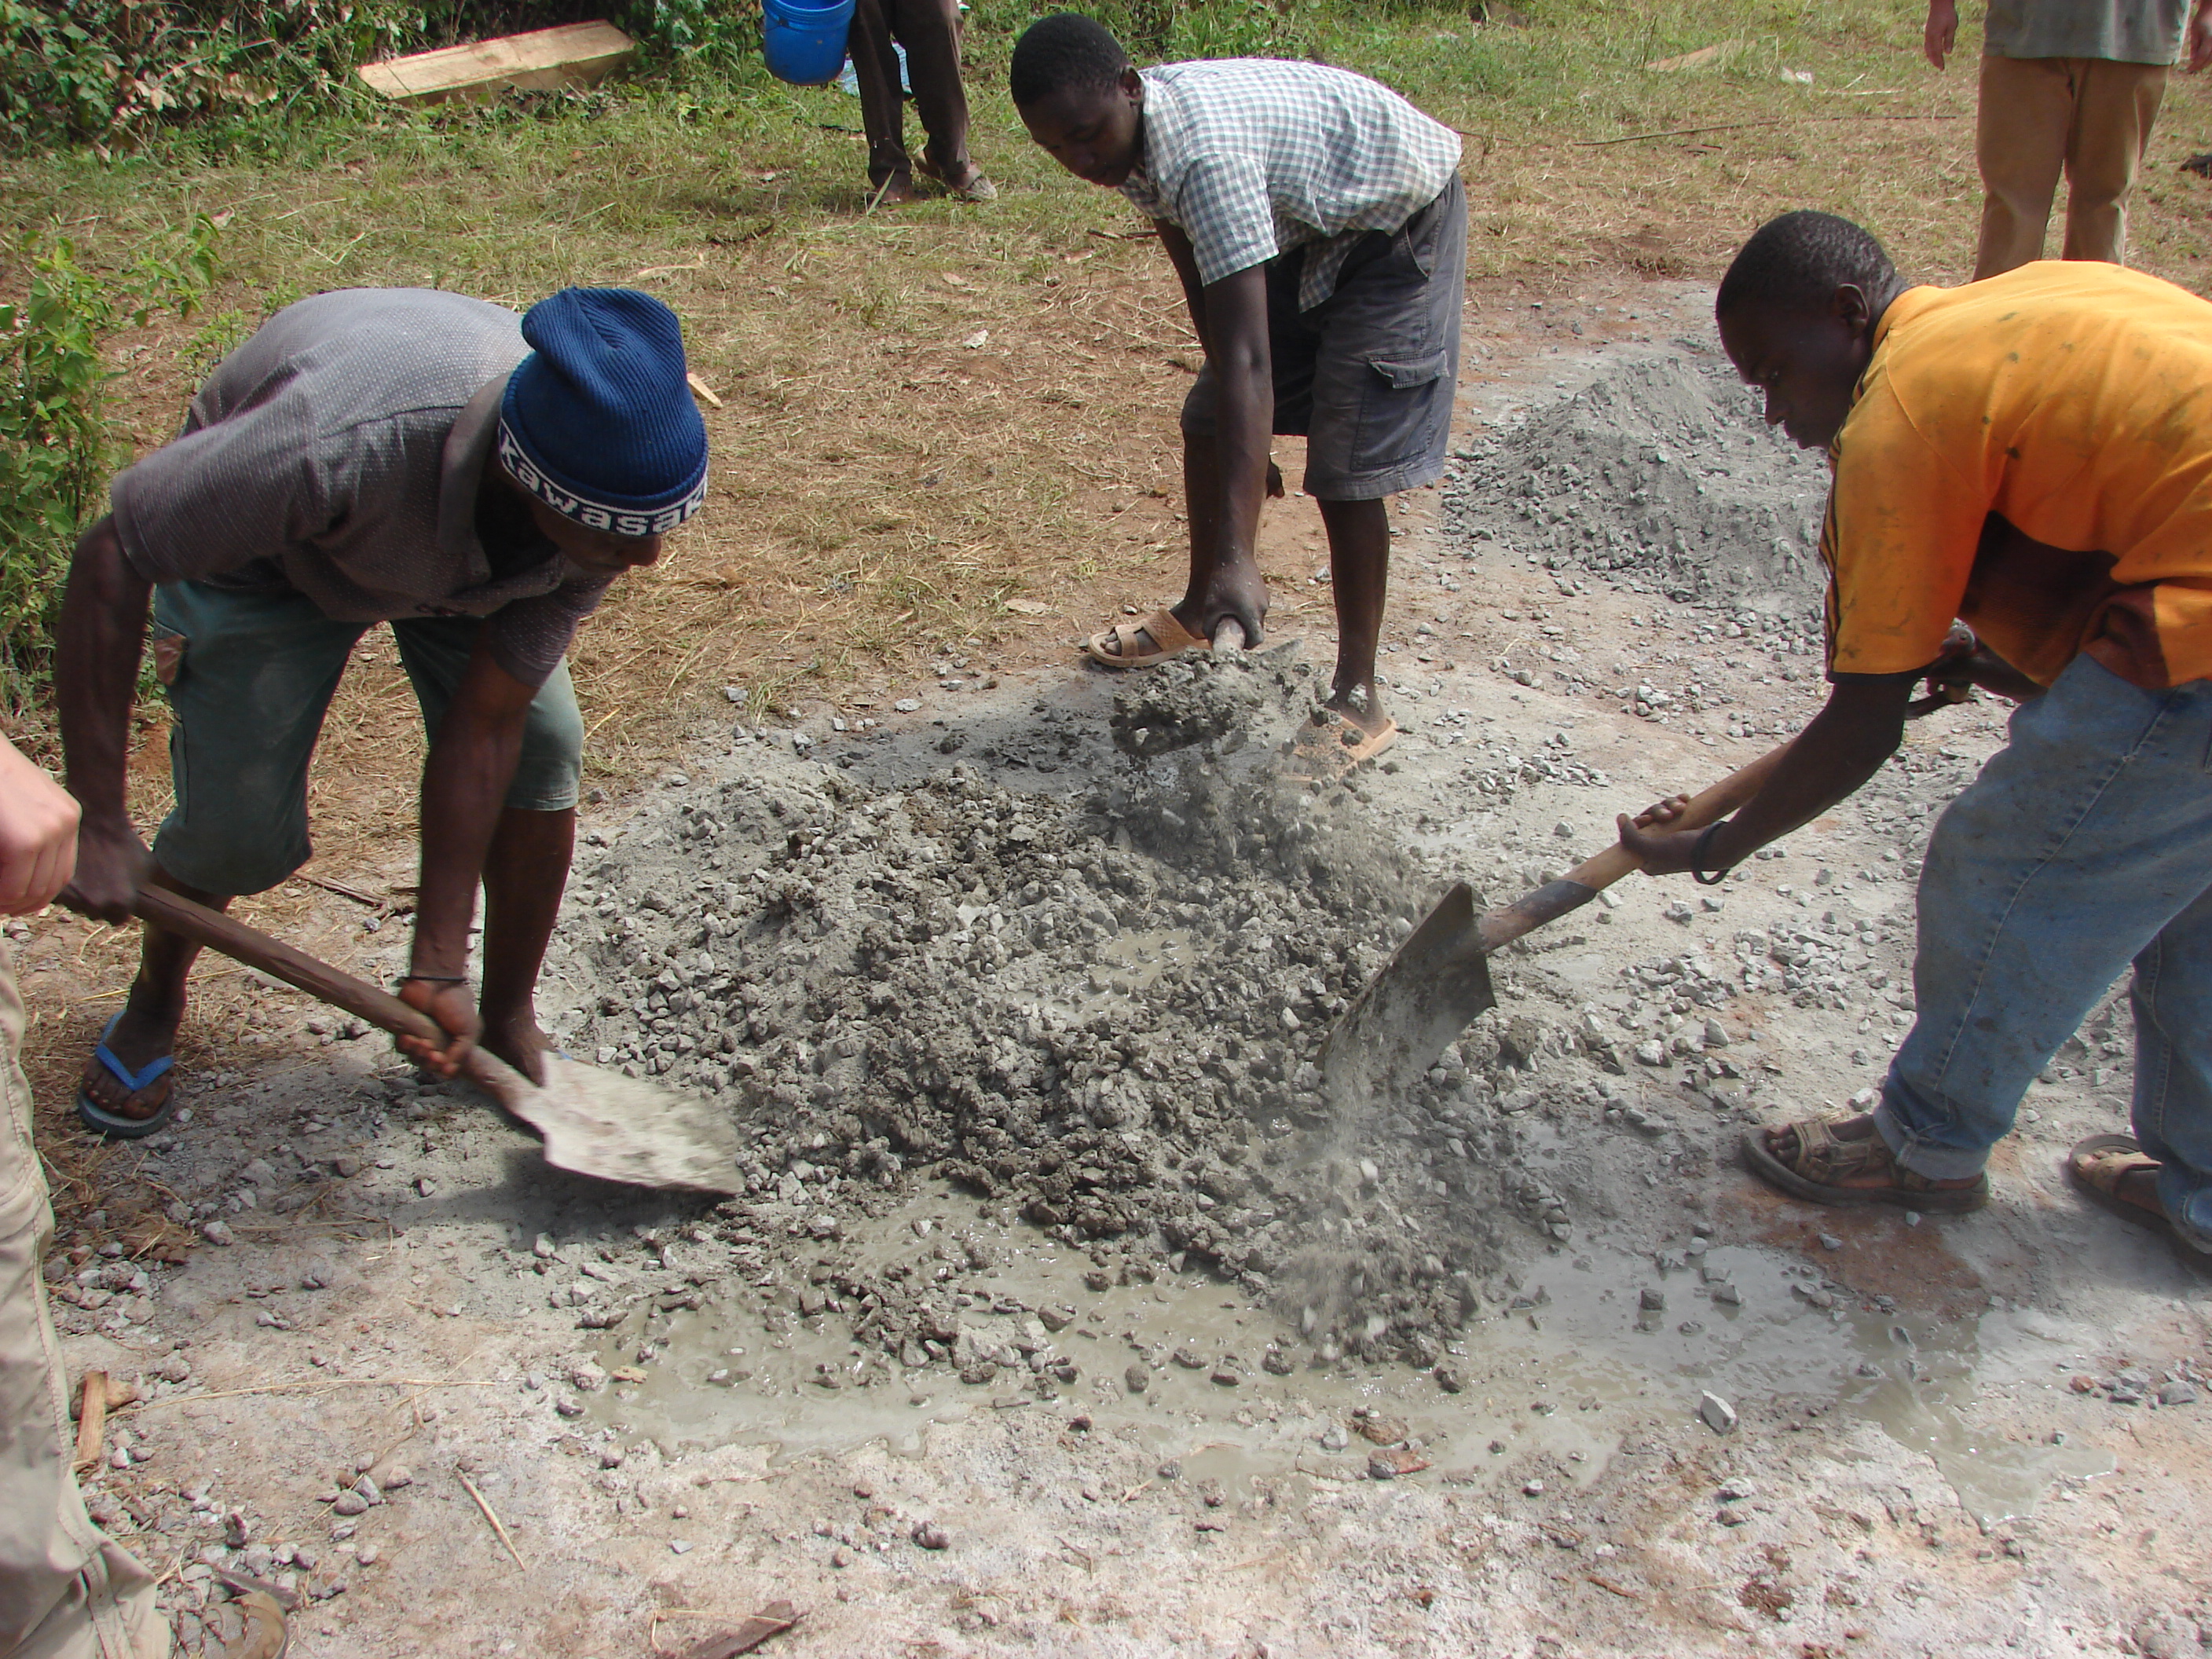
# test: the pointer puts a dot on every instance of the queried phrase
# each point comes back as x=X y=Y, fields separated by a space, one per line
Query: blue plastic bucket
x=804 y=45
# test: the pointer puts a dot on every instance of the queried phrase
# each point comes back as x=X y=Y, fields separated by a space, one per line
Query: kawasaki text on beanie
x=598 y=423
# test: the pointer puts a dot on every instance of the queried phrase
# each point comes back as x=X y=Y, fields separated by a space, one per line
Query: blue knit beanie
x=598 y=423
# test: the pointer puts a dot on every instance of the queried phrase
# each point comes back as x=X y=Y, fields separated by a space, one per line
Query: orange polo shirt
x=2033 y=455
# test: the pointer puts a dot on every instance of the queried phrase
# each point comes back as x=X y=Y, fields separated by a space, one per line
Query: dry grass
x=881 y=487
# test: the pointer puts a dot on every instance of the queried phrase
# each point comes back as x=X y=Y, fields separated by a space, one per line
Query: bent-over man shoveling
x=2030 y=455
x=474 y=479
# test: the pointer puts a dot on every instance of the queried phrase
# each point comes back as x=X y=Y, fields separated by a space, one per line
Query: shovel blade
x=622 y=1128
x=1435 y=985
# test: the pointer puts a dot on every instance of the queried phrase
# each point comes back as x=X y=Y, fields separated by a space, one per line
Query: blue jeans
x=250 y=677
x=2086 y=844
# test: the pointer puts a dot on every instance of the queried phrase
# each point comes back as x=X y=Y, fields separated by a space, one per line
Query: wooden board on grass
x=543 y=60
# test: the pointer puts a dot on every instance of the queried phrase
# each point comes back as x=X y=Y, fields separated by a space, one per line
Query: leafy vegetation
x=57 y=442
x=106 y=71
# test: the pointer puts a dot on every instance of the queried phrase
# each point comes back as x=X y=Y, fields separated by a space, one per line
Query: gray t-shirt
x=2119 y=31
x=337 y=454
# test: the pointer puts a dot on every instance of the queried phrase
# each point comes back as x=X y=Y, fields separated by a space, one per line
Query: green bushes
x=57 y=443
x=106 y=71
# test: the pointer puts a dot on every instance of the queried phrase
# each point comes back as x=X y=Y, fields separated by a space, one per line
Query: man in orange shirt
x=2032 y=455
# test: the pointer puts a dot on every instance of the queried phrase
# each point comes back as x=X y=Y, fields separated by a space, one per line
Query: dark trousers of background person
x=930 y=31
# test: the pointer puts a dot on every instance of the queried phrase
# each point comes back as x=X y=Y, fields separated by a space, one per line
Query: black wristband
x=1697 y=858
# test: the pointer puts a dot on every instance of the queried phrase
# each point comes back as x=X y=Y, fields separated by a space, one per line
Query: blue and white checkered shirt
x=1253 y=156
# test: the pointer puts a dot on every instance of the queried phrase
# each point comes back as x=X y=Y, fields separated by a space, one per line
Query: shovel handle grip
x=1592 y=876
x=1708 y=806
x=255 y=949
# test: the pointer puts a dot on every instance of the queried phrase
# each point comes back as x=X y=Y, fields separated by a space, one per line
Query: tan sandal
x=1330 y=748
x=2097 y=1165
x=1823 y=1161
x=1169 y=637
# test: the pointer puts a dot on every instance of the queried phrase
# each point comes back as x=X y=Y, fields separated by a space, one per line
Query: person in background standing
x=2072 y=87
x=930 y=31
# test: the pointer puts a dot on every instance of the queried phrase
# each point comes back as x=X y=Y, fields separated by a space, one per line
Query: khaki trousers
x=66 y=1590
x=2085 y=117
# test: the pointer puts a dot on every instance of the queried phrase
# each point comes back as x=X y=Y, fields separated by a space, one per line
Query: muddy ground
x=1065 y=1311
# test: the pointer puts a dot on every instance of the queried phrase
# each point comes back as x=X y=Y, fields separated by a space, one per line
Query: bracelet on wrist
x=1697 y=858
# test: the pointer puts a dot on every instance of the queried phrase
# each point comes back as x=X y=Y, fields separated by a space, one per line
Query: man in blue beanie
x=375 y=455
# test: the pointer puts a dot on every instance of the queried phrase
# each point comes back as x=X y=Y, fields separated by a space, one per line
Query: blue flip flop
x=98 y=1117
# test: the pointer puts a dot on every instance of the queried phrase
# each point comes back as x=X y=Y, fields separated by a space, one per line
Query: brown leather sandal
x=2096 y=1166
x=1124 y=645
x=1823 y=1161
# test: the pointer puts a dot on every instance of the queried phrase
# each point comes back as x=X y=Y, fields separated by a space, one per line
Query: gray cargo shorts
x=1368 y=375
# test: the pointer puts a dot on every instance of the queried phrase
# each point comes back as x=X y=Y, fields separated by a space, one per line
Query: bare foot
x=517 y=1039
x=138 y=1040
x=1362 y=706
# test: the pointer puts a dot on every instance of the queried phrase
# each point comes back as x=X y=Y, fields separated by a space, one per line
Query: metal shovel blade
x=621 y=1128
x=596 y=1123
x=1437 y=981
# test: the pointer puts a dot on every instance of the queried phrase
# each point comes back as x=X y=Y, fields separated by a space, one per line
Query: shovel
x=1439 y=979
x=596 y=1123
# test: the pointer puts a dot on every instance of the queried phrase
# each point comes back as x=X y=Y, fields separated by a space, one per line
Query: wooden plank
x=543 y=60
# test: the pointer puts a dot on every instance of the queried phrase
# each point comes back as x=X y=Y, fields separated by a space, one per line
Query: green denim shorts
x=250 y=677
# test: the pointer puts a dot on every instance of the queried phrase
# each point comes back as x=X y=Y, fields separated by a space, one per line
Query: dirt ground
x=1674 y=1415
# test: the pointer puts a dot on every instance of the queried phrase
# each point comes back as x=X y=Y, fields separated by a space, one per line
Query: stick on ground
x=91 y=1419
x=492 y=1516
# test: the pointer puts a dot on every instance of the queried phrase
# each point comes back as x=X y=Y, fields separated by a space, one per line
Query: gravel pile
x=1659 y=476
x=1102 y=1014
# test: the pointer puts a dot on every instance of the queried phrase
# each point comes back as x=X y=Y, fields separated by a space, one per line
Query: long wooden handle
x=1708 y=806
x=255 y=949
x=1593 y=875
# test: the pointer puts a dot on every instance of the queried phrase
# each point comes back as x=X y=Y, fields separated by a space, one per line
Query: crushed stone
x=1100 y=1013
x=1657 y=475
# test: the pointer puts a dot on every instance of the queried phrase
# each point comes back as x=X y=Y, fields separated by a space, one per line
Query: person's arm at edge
x=102 y=635
x=2197 y=45
x=465 y=782
x=1941 y=32
x=38 y=835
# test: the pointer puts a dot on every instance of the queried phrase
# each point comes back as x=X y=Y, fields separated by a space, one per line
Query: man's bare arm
x=1244 y=425
x=1184 y=258
x=1843 y=746
x=464 y=783
x=97 y=648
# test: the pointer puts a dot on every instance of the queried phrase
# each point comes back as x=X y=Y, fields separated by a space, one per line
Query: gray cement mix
x=1063 y=1313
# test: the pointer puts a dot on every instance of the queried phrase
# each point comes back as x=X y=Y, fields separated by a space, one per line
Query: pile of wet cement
x=1658 y=475
x=1102 y=1014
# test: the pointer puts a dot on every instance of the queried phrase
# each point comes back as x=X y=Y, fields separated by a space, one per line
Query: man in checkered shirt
x=1318 y=224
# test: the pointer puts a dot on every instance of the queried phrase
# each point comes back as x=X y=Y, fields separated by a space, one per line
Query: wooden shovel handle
x=1710 y=805
x=255 y=949
x=1593 y=875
